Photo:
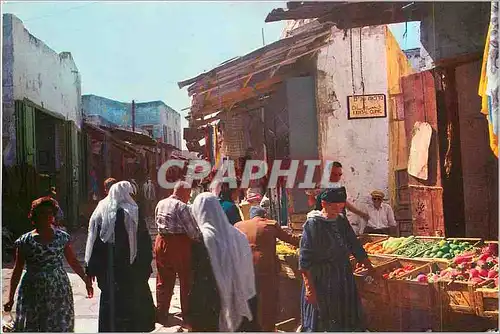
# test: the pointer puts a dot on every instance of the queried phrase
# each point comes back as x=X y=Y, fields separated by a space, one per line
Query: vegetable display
x=398 y=272
x=412 y=247
x=283 y=248
x=479 y=266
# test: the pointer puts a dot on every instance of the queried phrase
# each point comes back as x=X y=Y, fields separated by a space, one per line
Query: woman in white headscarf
x=232 y=265
x=119 y=254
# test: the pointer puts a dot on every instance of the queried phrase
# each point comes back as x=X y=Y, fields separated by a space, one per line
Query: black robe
x=126 y=303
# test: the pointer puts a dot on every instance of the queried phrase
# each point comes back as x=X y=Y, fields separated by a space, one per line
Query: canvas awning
x=353 y=14
x=251 y=77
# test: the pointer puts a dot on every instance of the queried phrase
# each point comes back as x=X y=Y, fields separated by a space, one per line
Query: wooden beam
x=266 y=68
x=459 y=60
x=242 y=94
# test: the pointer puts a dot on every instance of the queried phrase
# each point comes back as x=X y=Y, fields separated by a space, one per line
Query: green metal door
x=25 y=134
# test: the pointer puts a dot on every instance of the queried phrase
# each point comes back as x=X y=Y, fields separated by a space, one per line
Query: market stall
x=420 y=283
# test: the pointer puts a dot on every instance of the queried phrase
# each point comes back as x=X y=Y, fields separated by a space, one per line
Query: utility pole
x=263 y=40
x=133 y=115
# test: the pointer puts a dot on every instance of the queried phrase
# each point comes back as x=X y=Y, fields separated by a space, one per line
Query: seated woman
x=120 y=256
x=229 y=283
x=330 y=300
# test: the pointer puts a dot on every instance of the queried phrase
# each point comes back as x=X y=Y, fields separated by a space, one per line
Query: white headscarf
x=105 y=216
x=231 y=260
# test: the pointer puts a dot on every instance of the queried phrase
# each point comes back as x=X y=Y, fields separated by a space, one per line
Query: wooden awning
x=353 y=14
x=252 y=76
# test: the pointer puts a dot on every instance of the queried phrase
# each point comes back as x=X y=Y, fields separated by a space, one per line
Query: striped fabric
x=324 y=252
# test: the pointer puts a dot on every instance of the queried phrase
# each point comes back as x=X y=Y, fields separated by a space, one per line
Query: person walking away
x=252 y=198
x=381 y=216
x=232 y=265
x=149 y=196
x=227 y=197
x=330 y=300
x=120 y=259
x=177 y=230
x=45 y=297
x=262 y=234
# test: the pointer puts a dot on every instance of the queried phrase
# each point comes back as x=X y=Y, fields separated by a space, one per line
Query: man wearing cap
x=381 y=216
x=253 y=198
x=330 y=300
x=261 y=234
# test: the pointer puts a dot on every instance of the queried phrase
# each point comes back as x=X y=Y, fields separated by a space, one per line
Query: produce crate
x=486 y=301
x=289 y=266
x=413 y=294
x=289 y=292
x=377 y=288
x=398 y=289
x=365 y=238
x=456 y=296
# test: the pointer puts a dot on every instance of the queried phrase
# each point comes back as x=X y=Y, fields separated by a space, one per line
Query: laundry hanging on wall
x=489 y=82
x=419 y=150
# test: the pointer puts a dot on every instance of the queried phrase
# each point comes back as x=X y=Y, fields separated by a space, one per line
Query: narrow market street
x=87 y=310
x=250 y=166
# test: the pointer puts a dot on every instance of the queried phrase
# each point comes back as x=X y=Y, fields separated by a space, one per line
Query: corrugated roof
x=352 y=14
x=254 y=74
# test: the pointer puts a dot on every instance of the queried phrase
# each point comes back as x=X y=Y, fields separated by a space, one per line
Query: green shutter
x=25 y=134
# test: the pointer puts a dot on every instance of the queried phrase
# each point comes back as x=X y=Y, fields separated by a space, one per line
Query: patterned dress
x=324 y=252
x=45 y=298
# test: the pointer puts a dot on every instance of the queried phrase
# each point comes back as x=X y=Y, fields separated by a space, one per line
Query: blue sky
x=140 y=50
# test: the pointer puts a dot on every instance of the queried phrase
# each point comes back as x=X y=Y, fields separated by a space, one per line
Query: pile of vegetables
x=412 y=247
x=373 y=248
x=283 y=248
x=398 y=272
x=479 y=266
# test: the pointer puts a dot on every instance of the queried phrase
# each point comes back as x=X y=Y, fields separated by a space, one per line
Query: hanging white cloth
x=419 y=150
x=231 y=260
x=104 y=216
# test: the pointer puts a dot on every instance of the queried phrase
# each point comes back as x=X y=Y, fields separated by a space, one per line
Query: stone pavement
x=87 y=310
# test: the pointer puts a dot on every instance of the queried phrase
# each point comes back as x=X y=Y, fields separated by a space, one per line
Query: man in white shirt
x=381 y=217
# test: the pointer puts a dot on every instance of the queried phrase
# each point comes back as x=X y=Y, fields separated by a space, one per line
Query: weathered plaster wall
x=455 y=28
x=34 y=71
x=362 y=145
x=8 y=121
x=165 y=120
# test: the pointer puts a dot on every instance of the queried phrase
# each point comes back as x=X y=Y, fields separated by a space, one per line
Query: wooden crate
x=288 y=303
x=457 y=296
x=376 y=287
x=411 y=294
x=289 y=266
x=486 y=301
x=398 y=289
x=365 y=238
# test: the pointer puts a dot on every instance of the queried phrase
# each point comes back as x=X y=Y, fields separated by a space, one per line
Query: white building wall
x=45 y=77
x=362 y=145
x=34 y=71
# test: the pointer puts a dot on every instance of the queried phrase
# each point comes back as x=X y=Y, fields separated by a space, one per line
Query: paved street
x=87 y=310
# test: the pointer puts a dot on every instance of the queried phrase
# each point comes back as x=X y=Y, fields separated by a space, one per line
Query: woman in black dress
x=119 y=254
